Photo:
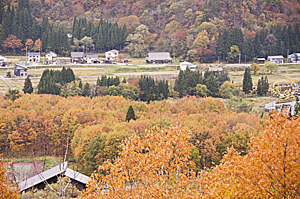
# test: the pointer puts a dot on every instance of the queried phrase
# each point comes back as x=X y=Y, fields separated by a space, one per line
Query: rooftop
x=159 y=56
x=77 y=54
x=33 y=53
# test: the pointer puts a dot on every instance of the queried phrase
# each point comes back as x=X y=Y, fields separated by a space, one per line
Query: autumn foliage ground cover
x=158 y=165
x=94 y=127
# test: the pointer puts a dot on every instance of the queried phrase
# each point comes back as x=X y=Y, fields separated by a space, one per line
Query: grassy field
x=284 y=78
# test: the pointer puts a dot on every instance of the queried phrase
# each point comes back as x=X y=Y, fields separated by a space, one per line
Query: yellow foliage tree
x=6 y=191
x=269 y=170
x=156 y=165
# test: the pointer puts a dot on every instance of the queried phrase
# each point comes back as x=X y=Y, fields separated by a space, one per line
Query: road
x=8 y=82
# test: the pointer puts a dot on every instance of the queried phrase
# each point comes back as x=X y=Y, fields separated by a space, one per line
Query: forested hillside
x=195 y=30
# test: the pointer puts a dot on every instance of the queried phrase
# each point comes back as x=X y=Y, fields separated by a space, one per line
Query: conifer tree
x=247 y=81
x=86 y=91
x=130 y=114
x=28 y=86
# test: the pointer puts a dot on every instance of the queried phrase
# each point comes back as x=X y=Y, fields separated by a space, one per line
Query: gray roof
x=261 y=59
x=159 y=56
x=77 y=54
x=276 y=57
x=94 y=56
x=55 y=171
x=20 y=67
x=34 y=53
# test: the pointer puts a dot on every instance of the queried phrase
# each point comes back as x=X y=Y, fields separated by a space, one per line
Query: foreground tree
x=156 y=165
x=269 y=170
x=27 y=86
x=12 y=94
x=5 y=187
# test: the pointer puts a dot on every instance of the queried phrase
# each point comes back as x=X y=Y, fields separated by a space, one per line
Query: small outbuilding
x=219 y=69
x=50 y=176
x=77 y=57
x=159 y=58
x=279 y=59
x=51 y=57
x=185 y=65
x=112 y=55
x=2 y=59
x=34 y=57
x=261 y=60
x=20 y=70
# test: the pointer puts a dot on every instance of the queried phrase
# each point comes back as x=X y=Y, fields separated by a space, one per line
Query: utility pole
x=287 y=54
x=240 y=58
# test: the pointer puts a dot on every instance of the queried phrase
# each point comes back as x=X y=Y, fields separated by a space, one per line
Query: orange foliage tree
x=5 y=187
x=269 y=170
x=156 y=165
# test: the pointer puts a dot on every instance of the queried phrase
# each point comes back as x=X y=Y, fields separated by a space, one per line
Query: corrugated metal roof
x=159 y=56
x=92 y=56
x=276 y=57
x=77 y=54
x=18 y=66
x=55 y=171
x=33 y=53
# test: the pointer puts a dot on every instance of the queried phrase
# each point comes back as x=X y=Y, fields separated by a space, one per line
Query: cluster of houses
x=279 y=59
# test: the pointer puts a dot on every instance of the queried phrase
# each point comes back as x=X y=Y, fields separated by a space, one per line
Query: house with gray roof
x=20 y=70
x=158 y=58
x=40 y=180
x=276 y=59
x=77 y=57
x=91 y=58
x=34 y=57
x=295 y=57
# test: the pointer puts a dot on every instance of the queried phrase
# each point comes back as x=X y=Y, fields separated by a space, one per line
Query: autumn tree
x=255 y=68
x=153 y=166
x=27 y=86
x=29 y=44
x=269 y=170
x=12 y=42
x=6 y=190
x=38 y=45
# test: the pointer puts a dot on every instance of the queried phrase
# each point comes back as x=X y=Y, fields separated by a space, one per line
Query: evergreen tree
x=265 y=85
x=86 y=91
x=259 y=88
x=297 y=107
x=247 y=81
x=28 y=86
x=130 y=114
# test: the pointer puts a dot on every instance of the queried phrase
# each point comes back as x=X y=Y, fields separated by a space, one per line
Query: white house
x=287 y=107
x=91 y=58
x=276 y=59
x=34 y=57
x=185 y=65
x=112 y=55
x=295 y=57
x=2 y=59
x=51 y=57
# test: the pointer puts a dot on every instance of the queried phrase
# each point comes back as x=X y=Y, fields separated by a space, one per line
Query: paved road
x=8 y=82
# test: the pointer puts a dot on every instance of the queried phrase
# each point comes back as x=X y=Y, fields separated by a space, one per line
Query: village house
x=77 y=57
x=51 y=57
x=185 y=65
x=34 y=57
x=20 y=71
x=276 y=59
x=90 y=59
x=158 y=58
x=295 y=57
x=219 y=69
x=3 y=61
x=112 y=55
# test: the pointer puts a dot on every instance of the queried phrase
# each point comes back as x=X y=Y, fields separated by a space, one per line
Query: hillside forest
x=202 y=31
